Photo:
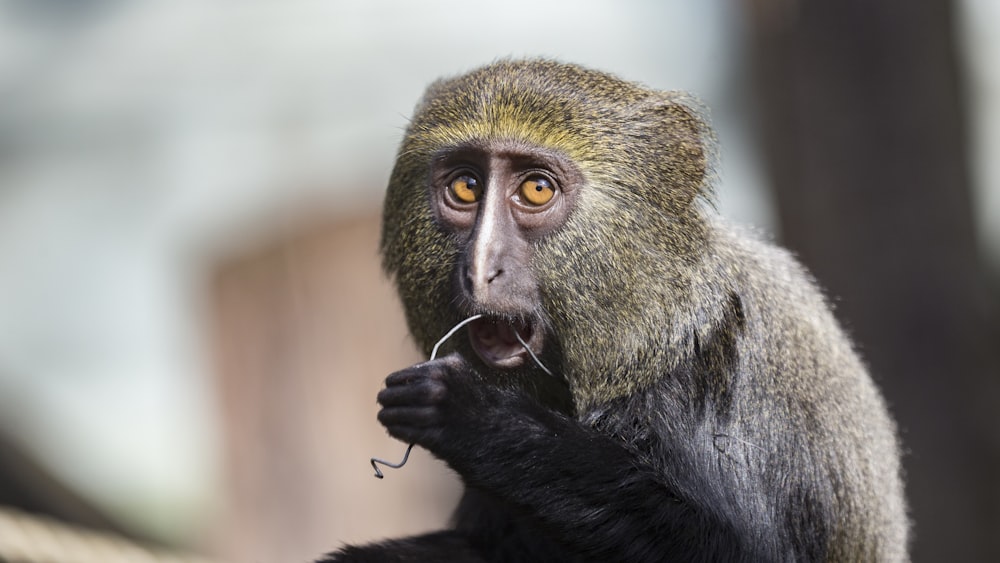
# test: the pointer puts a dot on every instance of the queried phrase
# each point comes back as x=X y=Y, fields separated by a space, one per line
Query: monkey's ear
x=684 y=148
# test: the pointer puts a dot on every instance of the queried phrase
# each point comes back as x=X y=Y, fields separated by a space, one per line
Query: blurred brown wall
x=305 y=330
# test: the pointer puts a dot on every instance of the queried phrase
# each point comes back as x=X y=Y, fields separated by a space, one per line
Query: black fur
x=547 y=487
x=706 y=405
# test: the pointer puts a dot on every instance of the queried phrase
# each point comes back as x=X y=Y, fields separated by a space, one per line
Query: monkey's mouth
x=496 y=342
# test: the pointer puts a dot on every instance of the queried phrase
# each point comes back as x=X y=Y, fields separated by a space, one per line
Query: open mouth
x=496 y=341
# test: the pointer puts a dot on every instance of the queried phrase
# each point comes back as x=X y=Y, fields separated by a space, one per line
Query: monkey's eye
x=537 y=190
x=466 y=189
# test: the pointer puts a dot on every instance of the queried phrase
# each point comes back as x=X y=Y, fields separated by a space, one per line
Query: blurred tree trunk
x=863 y=126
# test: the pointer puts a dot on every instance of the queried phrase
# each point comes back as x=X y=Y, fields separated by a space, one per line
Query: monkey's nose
x=478 y=282
x=474 y=279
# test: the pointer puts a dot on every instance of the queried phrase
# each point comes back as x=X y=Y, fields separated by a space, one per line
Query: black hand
x=586 y=487
x=421 y=401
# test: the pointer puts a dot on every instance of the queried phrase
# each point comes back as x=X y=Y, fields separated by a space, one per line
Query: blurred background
x=193 y=323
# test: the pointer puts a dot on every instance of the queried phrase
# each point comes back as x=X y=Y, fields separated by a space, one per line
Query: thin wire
x=532 y=354
x=451 y=332
x=375 y=460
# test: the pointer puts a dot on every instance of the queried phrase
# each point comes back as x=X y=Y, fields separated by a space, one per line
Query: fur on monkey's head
x=645 y=156
x=598 y=120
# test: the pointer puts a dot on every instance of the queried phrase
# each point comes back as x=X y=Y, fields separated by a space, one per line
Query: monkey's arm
x=442 y=547
x=592 y=494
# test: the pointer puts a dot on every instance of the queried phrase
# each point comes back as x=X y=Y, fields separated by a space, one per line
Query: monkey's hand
x=487 y=433
x=430 y=404
x=476 y=428
x=593 y=494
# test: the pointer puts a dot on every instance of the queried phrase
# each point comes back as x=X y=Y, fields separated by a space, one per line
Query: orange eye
x=537 y=190
x=465 y=189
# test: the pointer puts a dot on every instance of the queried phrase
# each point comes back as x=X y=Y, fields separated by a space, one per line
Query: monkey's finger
x=414 y=435
x=416 y=417
x=426 y=392
x=426 y=370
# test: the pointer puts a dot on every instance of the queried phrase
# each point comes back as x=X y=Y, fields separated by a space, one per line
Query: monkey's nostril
x=494 y=274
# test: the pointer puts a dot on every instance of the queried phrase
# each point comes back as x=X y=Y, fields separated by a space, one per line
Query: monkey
x=703 y=403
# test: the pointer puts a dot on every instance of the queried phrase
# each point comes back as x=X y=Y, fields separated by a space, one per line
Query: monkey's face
x=498 y=199
x=553 y=200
